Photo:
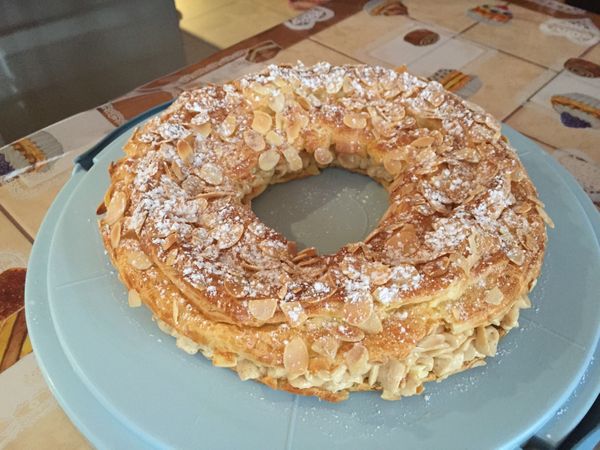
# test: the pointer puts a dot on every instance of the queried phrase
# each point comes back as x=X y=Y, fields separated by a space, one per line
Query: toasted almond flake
x=379 y=273
x=228 y=125
x=211 y=173
x=171 y=257
x=234 y=288
x=405 y=240
x=116 y=208
x=268 y=160
x=176 y=171
x=203 y=130
x=348 y=333
x=261 y=122
x=254 y=140
x=437 y=268
x=334 y=85
x=393 y=162
x=262 y=309
x=372 y=325
x=355 y=313
x=185 y=151
x=169 y=241
x=436 y=98
x=281 y=292
x=323 y=156
x=277 y=102
x=273 y=138
x=294 y=313
x=231 y=237
x=542 y=212
x=247 y=370
x=391 y=375
x=423 y=141
x=355 y=120
x=326 y=346
x=357 y=359
x=101 y=209
x=293 y=158
x=261 y=89
x=516 y=255
x=522 y=207
x=295 y=357
x=175 y=313
x=138 y=260
x=133 y=299
x=494 y=296
x=292 y=131
x=115 y=235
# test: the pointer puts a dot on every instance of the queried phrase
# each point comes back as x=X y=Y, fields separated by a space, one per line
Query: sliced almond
x=294 y=313
x=277 y=102
x=169 y=241
x=268 y=160
x=295 y=357
x=185 y=151
x=423 y=141
x=326 y=346
x=139 y=260
x=273 y=138
x=372 y=325
x=262 y=309
x=334 y=84
x=348 y=333
x=379 y=273
x=357 y=359
x=211 y=173
x=228 y=126
x=405 y=240
x=261 y=89
x=323 y=156
x=262 y=122
x=516 y=255
x=171 y=257
x=203 y=130
x=234 y=288
x=116 y=208
x=391 y=375
x=292 y=131
x=355 y=120
x=254 y=140
x=357 y=312
x=293 y=158
x=394 y=162
x=115 y=235
x=231 y=236
x=133 y=299
x=494 y=296
x=176 y=171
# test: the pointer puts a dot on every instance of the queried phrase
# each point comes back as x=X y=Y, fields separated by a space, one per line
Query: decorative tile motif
x=584 y=169
x=579 y=31
x=421 y=37
x=386 y=8
x=577 y=110
x=309 y=19
x=262 y=52
x=582 y=68
x=455 y=81
x=556 y=6
x=491 y=14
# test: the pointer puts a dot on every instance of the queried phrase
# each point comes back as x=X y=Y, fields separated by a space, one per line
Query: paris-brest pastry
x=429 y=291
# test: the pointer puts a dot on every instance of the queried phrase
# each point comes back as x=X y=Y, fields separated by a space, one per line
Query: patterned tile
x=522 y=37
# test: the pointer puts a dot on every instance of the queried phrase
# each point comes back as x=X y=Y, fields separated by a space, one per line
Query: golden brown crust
x=449 y=264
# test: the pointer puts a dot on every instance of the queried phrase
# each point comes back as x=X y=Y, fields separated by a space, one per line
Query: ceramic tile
x=593 y=54
x=229 y=25
x=14 y=247
x=27 y=198
x=448 y=14
x=522 y=37
x=407 y=43
x=356 y=34
x=193 y=8
x=504 y=91
x=281 y=6
x=567 y=83
x=30 y=418
x=544 y=125
x=453 y=54
x=310 y=52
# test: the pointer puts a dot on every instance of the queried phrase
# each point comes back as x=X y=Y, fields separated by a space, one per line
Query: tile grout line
x=310 y=38
x=17 y=225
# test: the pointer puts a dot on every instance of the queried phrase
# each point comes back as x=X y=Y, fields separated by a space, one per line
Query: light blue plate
x=152 y=394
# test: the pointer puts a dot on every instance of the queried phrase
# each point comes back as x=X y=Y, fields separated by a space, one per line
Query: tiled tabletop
x=535 y=64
